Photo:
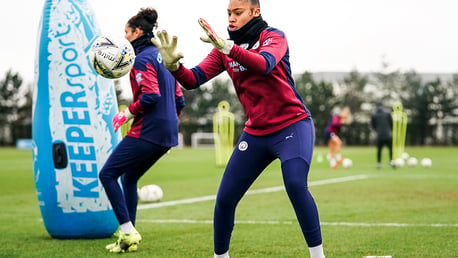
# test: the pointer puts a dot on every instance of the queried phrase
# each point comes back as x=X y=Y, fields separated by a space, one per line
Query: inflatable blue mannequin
x=72 y=131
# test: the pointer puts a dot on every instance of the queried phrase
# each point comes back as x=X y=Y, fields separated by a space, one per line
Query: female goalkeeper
x=279 y=125
x=157 y=99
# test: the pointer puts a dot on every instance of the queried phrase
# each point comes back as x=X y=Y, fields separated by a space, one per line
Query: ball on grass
x=405 y=155
x=400 y=162
x=150 y=193
x=426 y=162
x=412 y=162
x=347 y=163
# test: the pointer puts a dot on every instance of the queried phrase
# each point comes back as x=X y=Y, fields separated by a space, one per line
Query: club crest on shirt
x=243 y=146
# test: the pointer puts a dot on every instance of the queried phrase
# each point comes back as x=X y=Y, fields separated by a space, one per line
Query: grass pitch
x=406 y=212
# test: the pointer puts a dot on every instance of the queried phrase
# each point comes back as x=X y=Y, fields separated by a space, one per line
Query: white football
x=426 y=162
x=399 y=162
x=347 y=163
x=412 y=162
x=405 y=155
x=150 y=193
x=111 y=58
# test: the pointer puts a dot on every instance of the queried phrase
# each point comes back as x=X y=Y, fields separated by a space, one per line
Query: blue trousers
x=130 y=160
x=294 y=147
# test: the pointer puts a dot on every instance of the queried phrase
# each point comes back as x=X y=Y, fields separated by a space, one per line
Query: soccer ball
x=399 y=162
x=405 y=155
x=412 y=162
x=347 y=163
x=150 y=193
x=111 y=58
x=426 y=162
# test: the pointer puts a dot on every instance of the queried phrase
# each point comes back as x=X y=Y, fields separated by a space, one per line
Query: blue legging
x=294 y=147
x=130 y=160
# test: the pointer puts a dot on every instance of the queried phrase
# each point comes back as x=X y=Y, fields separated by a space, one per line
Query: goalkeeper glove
x=167 y=48
x=224 y=46
x=121 y=117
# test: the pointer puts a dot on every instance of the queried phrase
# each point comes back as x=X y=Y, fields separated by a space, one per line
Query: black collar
x=142 y=41
x=248 y=33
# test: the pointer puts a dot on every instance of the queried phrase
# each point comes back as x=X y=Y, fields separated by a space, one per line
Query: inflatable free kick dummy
x=72 y=131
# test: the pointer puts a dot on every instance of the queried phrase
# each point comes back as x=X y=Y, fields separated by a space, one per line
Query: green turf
x=407 y=212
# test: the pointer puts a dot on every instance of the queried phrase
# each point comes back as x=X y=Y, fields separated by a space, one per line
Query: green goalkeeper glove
x=167 y=48
x=222 y=45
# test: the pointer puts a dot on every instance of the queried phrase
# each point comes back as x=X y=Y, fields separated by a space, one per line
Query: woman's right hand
x=167 y=48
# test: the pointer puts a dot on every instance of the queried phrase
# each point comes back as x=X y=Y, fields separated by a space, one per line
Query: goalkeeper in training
x=157 y=102
x=278 y=126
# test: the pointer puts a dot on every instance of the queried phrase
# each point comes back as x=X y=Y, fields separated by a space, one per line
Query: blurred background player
x=333 y=140
x=157 y=101
x=382 y=123
x=279 y=125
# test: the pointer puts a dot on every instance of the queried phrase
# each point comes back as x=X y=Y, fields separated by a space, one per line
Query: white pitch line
x=400 y=225
x=250 y=192
x=275 y=222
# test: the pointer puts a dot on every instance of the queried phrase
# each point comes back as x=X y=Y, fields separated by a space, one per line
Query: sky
x=323 y=36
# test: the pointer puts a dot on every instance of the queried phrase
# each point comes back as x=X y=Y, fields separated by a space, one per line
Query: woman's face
x=131 y=33
x=240 y=12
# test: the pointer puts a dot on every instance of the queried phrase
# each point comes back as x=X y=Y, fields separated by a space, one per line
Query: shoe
x=117 y=232
x=379 y=165
x=392 y=164
x=126 y=242
x=116 y=235
x=340 y=160
x=131 y=248
x=333 y=164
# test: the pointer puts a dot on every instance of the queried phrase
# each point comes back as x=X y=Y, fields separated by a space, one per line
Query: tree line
x=431 y=105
